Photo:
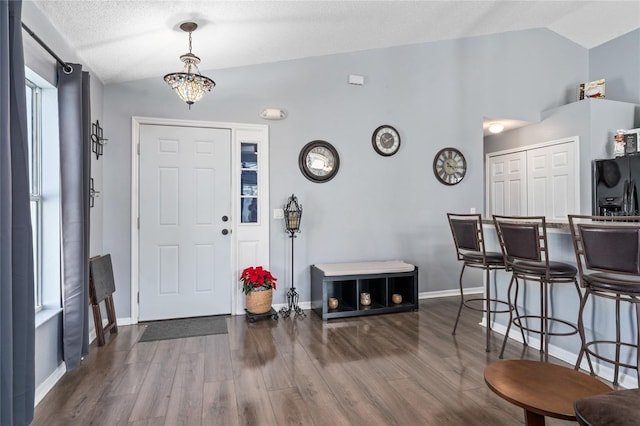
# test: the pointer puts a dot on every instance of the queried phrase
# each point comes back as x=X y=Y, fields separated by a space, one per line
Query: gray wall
x=618 y=61
x=435 y=94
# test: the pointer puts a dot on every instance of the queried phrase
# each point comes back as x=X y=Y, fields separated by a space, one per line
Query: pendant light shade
x=189 y=84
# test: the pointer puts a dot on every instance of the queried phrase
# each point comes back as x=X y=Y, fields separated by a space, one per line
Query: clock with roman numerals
x=449 y=166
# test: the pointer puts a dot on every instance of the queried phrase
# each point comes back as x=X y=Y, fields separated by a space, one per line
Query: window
x=44 y=180
x=249 y=182
x=34 y=134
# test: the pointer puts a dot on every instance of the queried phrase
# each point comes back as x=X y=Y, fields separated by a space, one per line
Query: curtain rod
x=66 y=67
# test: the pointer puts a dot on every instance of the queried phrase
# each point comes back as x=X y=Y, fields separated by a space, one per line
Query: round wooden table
x=542 y=389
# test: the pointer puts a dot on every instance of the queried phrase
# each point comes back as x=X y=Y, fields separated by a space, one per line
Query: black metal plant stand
x=292 y=216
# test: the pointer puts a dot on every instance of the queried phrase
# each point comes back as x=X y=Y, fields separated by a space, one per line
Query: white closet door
x=551 y=185
x=508 y=184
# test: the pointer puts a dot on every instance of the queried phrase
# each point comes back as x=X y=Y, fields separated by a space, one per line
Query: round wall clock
x=385 y=140
x=319 y=161
x=449 y=166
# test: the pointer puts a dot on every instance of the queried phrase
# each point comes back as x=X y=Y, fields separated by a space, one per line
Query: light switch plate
x=278 y=213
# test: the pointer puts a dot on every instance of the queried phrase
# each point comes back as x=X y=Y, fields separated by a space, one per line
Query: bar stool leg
x=506 y=334
x=583 y=339
x=487 y=287
x=616 y=368
x=637 y=340
x=545 y=320
x=461 y=300
x=515 y=307
x=542 y=314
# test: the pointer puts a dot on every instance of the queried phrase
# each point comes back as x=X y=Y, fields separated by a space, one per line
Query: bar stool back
x=608 y=255
x=468 y=237
x=523 y=240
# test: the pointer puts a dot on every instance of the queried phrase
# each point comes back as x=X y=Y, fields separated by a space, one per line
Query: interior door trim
x=257 y=234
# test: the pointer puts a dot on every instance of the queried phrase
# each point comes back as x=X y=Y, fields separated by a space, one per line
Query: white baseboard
x=449 y=293
x=604 y=371
x=49 y=383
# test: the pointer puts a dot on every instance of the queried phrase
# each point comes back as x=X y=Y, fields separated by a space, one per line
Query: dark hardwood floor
x=397 y=369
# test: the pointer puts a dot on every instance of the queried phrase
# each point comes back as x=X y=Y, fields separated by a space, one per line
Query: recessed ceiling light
x=496 y=127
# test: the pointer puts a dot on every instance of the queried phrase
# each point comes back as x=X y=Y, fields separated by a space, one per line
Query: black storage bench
x=346 y=282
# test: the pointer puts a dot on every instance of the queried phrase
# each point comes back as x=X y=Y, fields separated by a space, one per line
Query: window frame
x=34 y=132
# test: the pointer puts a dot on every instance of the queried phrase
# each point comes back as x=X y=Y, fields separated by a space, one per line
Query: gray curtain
x=75 y=170
x=17 y=313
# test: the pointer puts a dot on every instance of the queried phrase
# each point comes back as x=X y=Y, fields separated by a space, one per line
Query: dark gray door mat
x=186 y=327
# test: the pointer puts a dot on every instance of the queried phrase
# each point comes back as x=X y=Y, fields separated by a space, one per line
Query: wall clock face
x=319 y=161
x=449 y=166
x=386 y=140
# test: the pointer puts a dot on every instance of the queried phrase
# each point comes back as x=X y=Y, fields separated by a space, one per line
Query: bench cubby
x=346 y=281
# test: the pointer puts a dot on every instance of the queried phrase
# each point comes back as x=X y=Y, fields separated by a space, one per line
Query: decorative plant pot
x=259 y=302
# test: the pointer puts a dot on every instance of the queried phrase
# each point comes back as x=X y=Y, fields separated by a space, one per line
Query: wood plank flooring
x=397 y=369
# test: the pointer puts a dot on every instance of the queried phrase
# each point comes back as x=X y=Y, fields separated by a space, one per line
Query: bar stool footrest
x=468 y=304
x=517 y=321
x=592 y=352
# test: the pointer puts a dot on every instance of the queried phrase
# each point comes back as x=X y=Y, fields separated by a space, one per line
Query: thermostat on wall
x=356 y=79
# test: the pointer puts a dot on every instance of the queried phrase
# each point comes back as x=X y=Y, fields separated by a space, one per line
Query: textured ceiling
x=133 y=39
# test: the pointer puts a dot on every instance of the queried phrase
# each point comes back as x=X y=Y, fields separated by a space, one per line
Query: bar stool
x=608 y=255
x=618 y=408
x=468 y=238
x=523 y=240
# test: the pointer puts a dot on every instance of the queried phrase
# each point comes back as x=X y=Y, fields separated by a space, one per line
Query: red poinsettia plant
x=257 y=278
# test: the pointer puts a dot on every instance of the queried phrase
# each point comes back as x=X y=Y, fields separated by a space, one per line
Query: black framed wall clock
x=385 y=140
x=449 y=166
x=319 y=161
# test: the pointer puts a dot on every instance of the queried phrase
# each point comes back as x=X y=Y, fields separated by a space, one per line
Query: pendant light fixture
x=189 y=84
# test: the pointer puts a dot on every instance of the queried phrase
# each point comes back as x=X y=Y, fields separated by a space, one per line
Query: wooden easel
x=101 y=287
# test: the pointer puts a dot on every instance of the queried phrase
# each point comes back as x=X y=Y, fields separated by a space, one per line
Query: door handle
x=225 y=218
x=225 y=231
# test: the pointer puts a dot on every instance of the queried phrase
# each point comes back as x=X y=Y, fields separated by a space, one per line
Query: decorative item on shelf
x=93 y=194
x=580 y=92
x=97 y=140
x=189 y=84
x=618 y=143
x=396 y=298
x=365 y=299
x=333 y=303
x=594 y=89
x=258 y=285
x=292 y=217
x=632 y=141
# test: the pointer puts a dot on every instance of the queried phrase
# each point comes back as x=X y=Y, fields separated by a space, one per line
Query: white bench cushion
x=364 y=268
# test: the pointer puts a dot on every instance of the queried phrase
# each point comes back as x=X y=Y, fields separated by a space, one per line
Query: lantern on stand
x=292 y=216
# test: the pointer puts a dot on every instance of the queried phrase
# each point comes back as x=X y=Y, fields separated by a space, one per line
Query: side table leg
x=533 y=419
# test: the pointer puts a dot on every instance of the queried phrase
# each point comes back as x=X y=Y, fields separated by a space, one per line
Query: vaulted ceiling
x=133 y=39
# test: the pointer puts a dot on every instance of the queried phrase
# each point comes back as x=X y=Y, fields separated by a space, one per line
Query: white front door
x=184 y=208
